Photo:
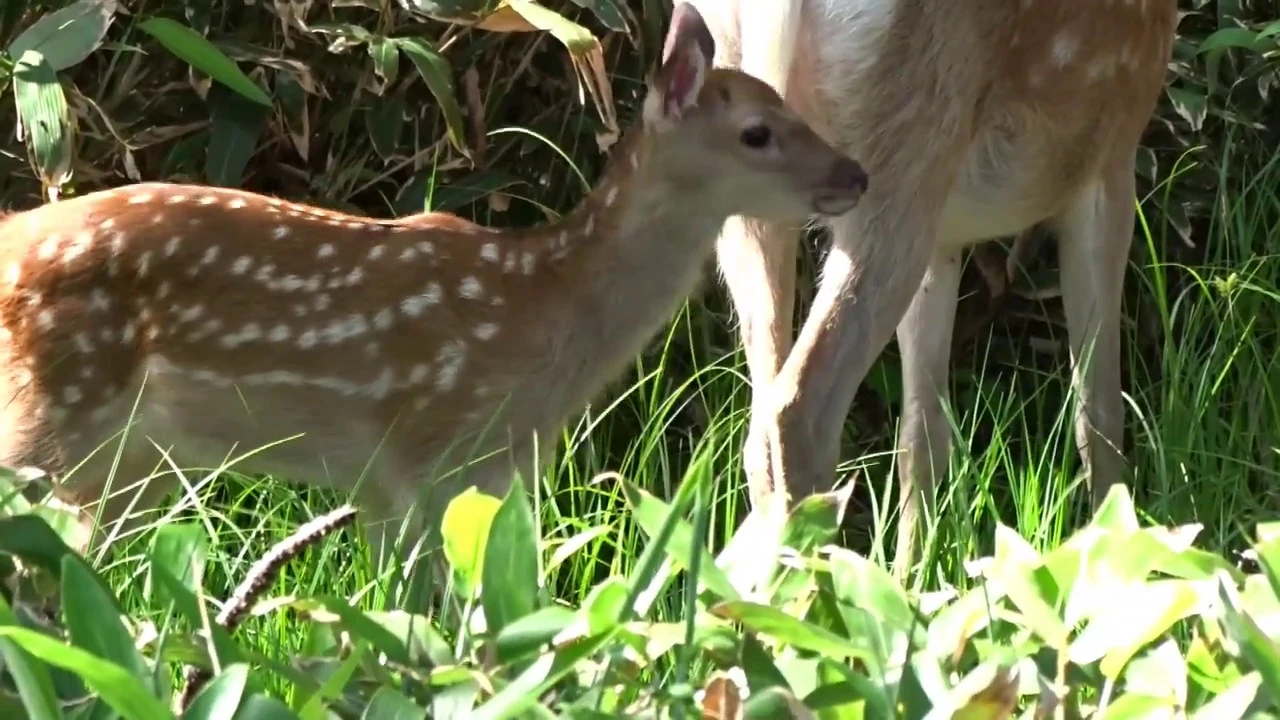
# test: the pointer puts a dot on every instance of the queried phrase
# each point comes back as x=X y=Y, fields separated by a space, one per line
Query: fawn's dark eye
x=756 y=136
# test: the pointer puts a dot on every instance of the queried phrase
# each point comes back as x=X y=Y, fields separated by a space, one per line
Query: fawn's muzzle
x=844 y=187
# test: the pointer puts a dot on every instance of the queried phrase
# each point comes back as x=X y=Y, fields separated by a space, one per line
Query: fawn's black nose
x=848 y=175
x=845 y=185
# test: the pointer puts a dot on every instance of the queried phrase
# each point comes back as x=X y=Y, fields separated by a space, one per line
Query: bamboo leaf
x=44 y=120
x=191 y=47
x=67 y=36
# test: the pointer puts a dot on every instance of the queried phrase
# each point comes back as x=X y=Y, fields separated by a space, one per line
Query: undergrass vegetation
x=630 y=579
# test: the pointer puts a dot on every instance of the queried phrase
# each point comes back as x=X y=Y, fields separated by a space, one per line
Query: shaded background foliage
x=386 y=107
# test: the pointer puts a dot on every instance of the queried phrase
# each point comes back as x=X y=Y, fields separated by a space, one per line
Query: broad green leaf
x=1017 y=570
x=221 y=697
x=651 y=514
x=607 y=11
x=509 y=585
x=1135 y=706
x=1161 y=672
x=113 y=684
x=187 y=605
x=386 y=62
x=1231 y=37
x=870 y=601
x=191 y=47
x=35 y=687
x=759 y=665
x=465 y=527
x=384 y=120
x=65 y=37
x=774 y=703
x=392 y=704
x=521 y=694
x=45 y=123
x=359 y=624
x=1234 y=702
x=1120 y=630
x=1116 y=512
x=415 y=632
x=815 y=520
x=182 y=549
x=93 y=620
x=437 y=73
x=30 y=538
x=264 y=707
x=315 y=706
x=1256 y=649
x=846 y=693
x=771 y=621
x=605 y=604
x=235 y=127
x=526 y=634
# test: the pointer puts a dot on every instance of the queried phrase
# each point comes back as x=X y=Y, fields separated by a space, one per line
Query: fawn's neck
x=628 y=255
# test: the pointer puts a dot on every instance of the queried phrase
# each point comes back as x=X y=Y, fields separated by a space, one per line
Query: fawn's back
x=251 y=319
x=219 y=322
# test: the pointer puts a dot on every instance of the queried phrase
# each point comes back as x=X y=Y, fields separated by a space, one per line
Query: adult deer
x=201 y=319
x=977 y=119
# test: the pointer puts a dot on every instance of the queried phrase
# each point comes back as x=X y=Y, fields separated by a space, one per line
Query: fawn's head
x=724 y=125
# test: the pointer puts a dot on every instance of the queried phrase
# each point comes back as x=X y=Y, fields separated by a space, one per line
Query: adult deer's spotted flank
x=213 y=321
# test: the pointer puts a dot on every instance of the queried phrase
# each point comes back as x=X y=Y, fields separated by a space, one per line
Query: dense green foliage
x=620 y=583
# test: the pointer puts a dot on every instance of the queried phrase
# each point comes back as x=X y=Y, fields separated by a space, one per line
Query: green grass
x=1204 y=426
x=1202 y=377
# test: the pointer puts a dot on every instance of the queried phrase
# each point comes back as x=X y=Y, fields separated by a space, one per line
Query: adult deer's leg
x=1094 y=235
x=924 y=338
x=877 y=261
x=758 y=262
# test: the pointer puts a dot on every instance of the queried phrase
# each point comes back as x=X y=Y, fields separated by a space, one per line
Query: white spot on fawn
x=241 y=265
x=485 y=331
x=415 y=305
x=377 y=251
x=48 y=248
x=326 y=250
x=489 y=252
x=449 y=359
x=280 y=232
x=470 y=288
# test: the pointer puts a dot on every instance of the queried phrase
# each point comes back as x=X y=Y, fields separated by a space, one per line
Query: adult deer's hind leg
x=758 y=263
x=924 y=439
x=1094 y=234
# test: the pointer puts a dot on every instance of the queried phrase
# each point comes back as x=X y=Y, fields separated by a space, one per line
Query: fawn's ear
x=686 y=58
